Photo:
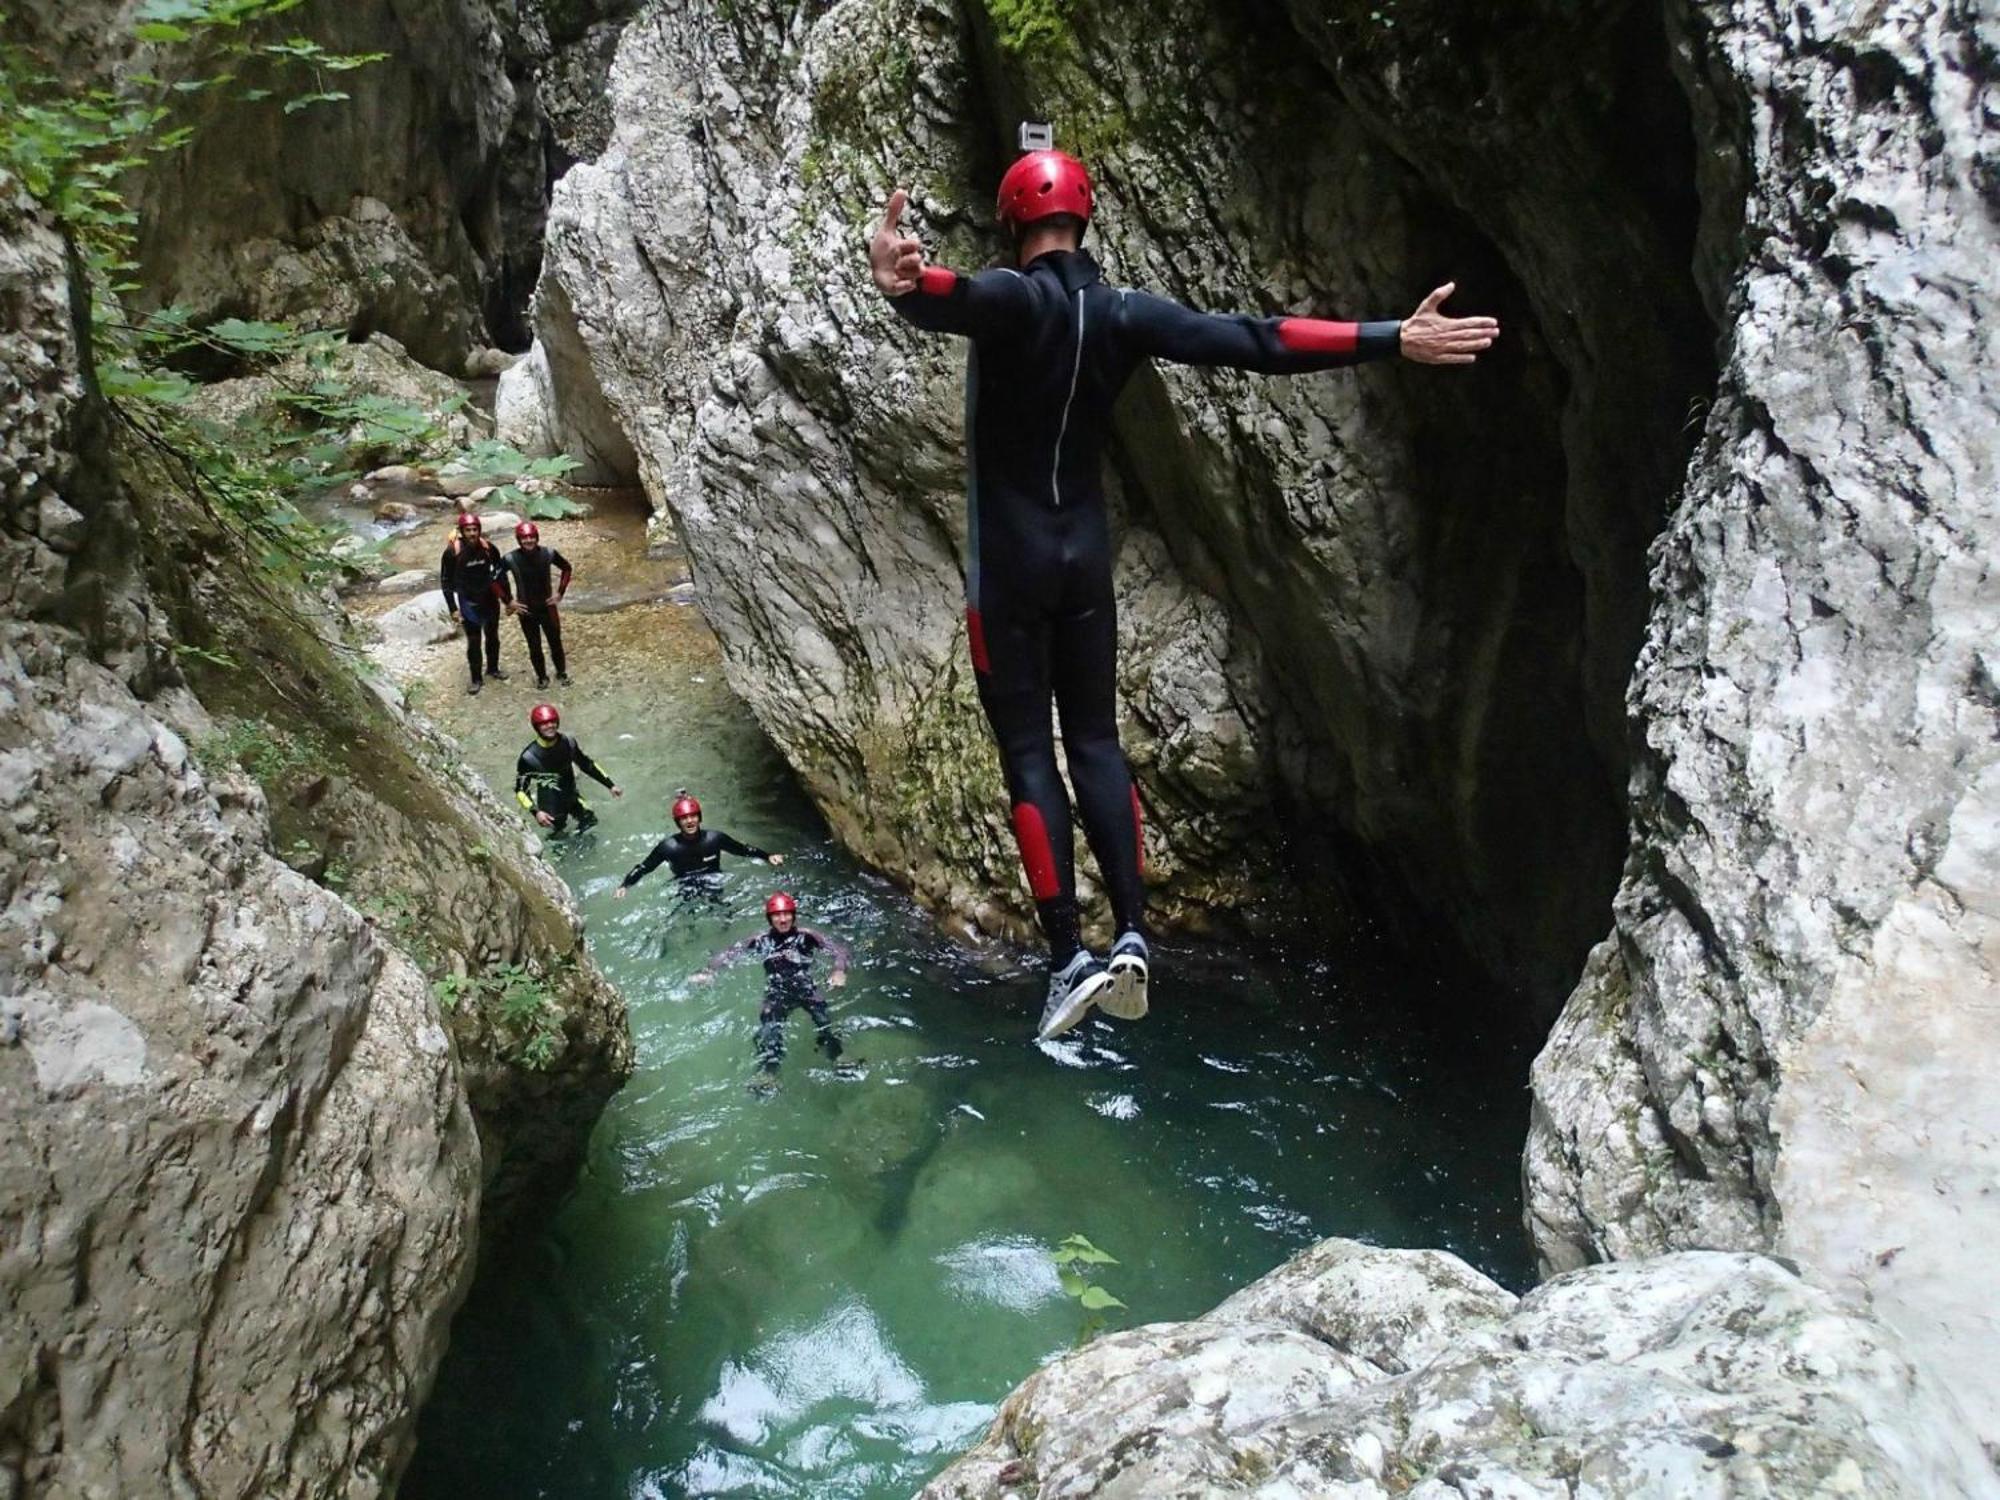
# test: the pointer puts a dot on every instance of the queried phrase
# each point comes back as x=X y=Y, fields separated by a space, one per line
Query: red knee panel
x=1037 y=857
x=976 y=634
x=1138 y=829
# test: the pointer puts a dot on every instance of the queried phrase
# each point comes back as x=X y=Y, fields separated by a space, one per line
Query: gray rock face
x=1360 y=1372
x=1788 y=1040
x=238 y=1177
x=1415 y=629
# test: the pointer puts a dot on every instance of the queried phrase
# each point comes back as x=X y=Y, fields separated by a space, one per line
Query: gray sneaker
x=1126 y=998
x=1072 y=991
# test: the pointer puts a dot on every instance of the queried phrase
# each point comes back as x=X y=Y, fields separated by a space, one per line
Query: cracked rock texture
x=1789 y=1038
x=1388 y=612
x=241 y=1166
x=1357 y=1372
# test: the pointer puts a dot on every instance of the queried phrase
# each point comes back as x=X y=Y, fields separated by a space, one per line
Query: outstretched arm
x=727 y=957
x=984 y=306
x=837 y=948
x=642 y=869
x=729 y=845
x=589 y=768
x=1288 y=346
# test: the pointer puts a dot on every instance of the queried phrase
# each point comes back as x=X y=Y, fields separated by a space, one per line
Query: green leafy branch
x=518 y=1003
x=1076 y=1260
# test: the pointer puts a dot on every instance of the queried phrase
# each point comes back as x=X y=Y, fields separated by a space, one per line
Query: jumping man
x=1052 y=346
x=694 y=851
x=787 y=950
x=545 y=775
x=539 y=605
x=474 y=579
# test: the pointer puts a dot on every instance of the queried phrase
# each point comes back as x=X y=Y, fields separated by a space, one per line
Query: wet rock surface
x=1363 y=1372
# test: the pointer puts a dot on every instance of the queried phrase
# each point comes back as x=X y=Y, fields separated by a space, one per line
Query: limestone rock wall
x=242 y=1159
x=1368 y=1373
x=238 y=1178
x=1789 y=1037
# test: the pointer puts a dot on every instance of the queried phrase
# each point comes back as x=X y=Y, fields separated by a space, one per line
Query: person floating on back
x=545 y=775
x=787 y=951
x=692 y=853
x=473 y=576
x=541 y=578
x=1052 y=346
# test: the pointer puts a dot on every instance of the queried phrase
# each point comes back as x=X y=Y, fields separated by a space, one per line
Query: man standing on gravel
x=473 y=576
x=541 y=578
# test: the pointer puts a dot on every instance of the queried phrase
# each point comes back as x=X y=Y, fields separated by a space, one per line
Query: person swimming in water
x=788 y=952
x=545 y=774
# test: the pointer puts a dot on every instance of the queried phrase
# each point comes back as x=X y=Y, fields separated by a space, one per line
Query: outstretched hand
x=701 y=976
x=1431 y=338
x=838 y=979
x=895 y=259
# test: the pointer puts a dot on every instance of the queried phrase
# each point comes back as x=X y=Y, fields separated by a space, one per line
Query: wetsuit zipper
x=1055 y=469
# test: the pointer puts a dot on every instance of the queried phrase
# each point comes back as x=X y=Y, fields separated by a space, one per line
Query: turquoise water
x=827 y=1291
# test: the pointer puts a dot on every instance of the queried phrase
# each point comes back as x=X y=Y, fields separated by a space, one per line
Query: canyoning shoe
x=473 y=687
x=563 y=678
x=1073 y=989
x=1126 y=998
x=496 y=674
x=541 y=684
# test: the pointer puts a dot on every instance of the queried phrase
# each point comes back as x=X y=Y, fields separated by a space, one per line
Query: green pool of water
x=826 y=1292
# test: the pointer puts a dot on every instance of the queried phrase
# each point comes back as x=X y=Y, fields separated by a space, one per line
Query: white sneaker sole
x=1126 y=999
x=1075 y=1007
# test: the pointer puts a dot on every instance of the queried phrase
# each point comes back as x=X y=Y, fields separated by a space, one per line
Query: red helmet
x=1043 y=184
x=686 y=807
x=780 y=902
x=527 y=534
x=544 y=718
x=467 y=521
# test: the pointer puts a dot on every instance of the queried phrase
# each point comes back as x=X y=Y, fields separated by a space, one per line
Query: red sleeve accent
x=1313 y=336
x=1138 y=828
x=937 y=281
x=1038 y=856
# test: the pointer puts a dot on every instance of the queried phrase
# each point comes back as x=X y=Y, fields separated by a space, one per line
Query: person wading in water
x=1052 y=346
x=545 y=775
x=695 y=853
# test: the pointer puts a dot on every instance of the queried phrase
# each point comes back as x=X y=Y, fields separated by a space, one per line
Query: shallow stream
x=826 y=1291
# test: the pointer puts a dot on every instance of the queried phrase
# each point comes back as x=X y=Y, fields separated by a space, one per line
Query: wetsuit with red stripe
x=1052 y=346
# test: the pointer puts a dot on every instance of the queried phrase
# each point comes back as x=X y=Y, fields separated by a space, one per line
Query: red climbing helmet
x=780 y=902
x=1041 y=185
x=528 y=534
x=686 y=807
x=544 y=718
x=467 y=521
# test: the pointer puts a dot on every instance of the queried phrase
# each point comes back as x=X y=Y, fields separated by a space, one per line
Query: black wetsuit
x=541 y=578
x=474 y=579
x=788 y=959
x=545 y=780
x=1052 y=346
x=688 y=857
